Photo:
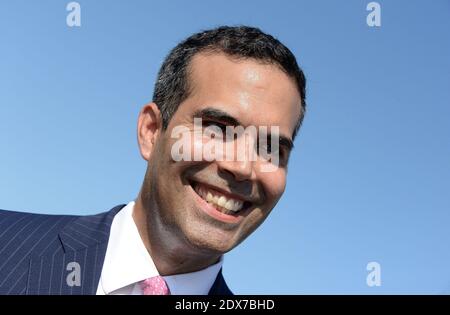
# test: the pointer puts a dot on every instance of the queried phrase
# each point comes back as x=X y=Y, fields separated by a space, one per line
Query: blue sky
x=370 y=176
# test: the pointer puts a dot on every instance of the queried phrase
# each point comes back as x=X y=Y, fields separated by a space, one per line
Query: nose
x=240 y=161
x=241 y=170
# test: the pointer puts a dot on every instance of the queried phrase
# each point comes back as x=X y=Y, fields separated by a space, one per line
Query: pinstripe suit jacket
x=36 y=251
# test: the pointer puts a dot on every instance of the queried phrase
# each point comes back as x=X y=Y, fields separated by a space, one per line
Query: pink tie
x=154 y=286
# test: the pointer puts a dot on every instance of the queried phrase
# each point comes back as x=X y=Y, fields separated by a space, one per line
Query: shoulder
x=31 y=233
x=23 y=236
x=16 y=225
x=44 y=239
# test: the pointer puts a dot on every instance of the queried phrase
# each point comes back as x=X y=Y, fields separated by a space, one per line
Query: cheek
x=185 y=146
x=274 y=184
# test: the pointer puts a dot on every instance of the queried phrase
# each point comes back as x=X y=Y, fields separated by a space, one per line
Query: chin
x=214 y=241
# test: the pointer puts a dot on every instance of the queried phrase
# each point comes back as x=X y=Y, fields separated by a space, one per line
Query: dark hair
x=172 y=86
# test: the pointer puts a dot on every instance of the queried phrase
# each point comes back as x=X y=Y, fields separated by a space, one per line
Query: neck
x=170 y=253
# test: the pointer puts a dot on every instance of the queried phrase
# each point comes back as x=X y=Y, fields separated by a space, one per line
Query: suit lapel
x=73 y=263
x=219 y=286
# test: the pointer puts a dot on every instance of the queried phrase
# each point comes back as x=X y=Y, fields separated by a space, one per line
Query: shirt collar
x=127 y=261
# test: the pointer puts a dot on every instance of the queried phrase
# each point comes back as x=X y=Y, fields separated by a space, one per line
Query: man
x=189 y=211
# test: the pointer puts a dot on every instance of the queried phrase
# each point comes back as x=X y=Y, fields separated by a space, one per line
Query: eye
x=265 y=146
x=269 y=151
x=214 y=127
x=209 y=123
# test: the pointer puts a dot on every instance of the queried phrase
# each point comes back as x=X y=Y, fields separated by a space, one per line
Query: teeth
x=229 y=205
x=222 y=203
x=238 y=205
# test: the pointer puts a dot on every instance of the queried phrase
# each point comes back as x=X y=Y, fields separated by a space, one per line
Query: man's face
x=187 y=194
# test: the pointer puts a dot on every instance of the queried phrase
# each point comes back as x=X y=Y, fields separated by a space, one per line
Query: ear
x=148 y=129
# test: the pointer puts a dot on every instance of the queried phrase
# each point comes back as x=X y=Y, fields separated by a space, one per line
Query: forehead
x=255 y=93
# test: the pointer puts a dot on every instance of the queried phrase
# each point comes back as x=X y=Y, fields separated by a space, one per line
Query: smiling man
x=189 y=212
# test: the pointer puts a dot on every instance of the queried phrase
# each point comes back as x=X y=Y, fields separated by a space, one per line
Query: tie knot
x=155 y=286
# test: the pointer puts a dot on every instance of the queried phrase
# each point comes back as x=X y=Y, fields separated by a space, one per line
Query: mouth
x=220 y=205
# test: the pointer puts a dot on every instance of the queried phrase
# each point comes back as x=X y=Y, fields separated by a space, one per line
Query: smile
x=225 y=207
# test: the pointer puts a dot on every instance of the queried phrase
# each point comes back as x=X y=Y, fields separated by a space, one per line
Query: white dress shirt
x=127 y=262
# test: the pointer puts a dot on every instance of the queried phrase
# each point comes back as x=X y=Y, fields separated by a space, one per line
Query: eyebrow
x=222 y=116
x=217 y=114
